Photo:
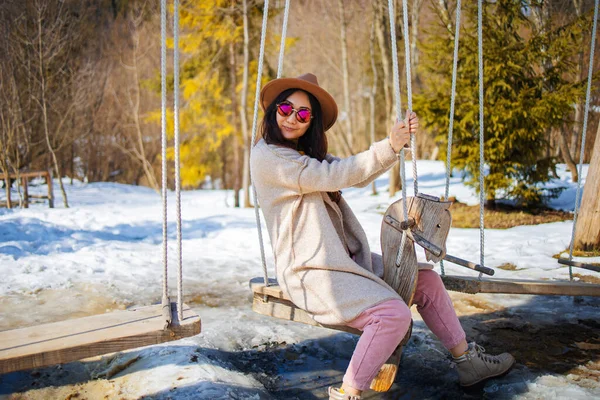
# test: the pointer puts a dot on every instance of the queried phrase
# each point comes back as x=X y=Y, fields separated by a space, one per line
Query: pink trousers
x=385 y=325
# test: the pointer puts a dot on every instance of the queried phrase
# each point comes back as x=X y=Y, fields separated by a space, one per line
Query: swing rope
x=163 y=72
x=163 y=84
x=286 y=14
x=261 y=57
x=413 y=145
x=392 y=18
x=451 y=116
x=407 y=58
x=583 y=135
x=481 y=132
x=176 y=148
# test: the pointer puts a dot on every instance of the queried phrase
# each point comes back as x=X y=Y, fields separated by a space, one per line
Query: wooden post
x=25 y=191
x=7 y=187
x=50 y=192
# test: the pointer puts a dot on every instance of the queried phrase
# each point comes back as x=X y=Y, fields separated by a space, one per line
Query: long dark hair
x=313 y=143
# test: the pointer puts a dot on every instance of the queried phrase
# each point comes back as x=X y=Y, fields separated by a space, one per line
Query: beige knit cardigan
x=314 y=238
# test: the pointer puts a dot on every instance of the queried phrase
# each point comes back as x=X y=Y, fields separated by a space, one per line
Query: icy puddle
x=40 y=307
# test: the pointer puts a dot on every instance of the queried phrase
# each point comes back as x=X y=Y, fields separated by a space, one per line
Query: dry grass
x=508 y=267
x=578 y=253
x=587 y=278
x=504 y=217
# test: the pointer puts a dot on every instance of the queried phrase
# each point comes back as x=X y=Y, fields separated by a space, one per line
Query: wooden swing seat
x=71 y=340
x=272 y=302
x=472 y=285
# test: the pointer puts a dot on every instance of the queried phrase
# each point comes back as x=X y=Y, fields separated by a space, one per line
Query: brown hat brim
x=271 y=90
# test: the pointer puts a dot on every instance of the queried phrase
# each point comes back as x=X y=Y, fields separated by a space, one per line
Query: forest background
x=80 y=86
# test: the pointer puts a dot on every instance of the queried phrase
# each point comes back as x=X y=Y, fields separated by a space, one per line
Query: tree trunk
x=135 y=105
x=395 y=182
x=579 y=106
x=243 y=115
x=44 y=108
x=7 y=188
x=566 y=155
x=385 y=61
x=414 y=28
x=373 y=91
x=345 y=76
x=235 y=141
x=587 y=230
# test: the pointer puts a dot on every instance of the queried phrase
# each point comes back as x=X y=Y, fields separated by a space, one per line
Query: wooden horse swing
x=427 y=224
x=422 y=219
x=72 y=340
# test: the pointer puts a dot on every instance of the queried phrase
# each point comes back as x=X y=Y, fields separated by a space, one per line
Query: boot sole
x=471 y=385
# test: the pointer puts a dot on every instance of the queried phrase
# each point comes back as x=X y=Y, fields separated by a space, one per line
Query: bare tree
x=373 y=92
x=13 y=140
x=381 y=22
x=133 y=94
x=415 y=13
x=347 y=113
x=50 y=45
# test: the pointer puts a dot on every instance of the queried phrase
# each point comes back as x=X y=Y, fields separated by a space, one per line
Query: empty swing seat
x=469 y=284
x=71 y=340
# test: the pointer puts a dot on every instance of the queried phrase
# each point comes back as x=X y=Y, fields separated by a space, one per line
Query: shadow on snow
x=27 y=237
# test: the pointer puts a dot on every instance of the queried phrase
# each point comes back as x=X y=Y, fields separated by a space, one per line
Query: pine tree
x=522 y=99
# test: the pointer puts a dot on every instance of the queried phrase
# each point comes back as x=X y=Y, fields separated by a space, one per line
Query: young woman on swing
x=322 y=256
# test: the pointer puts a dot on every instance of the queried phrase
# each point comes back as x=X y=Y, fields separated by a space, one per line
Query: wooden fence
x=25 y=177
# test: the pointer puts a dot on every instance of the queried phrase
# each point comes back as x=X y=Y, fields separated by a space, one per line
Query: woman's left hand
x=400 y=134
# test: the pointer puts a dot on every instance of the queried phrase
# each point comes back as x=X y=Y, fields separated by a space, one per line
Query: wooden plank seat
x=272 y=302
x=469 y=284
x=71 y=340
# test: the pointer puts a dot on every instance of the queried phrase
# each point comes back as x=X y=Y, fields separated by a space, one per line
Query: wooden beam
x=72 y=340
x=29 y=174
x=590 y=267
x=468 y=284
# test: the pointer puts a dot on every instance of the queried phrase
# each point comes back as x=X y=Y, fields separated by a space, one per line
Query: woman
x=322 y=256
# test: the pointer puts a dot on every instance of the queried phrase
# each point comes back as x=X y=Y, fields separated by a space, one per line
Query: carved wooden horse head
x=432 y=222
x=429 y=222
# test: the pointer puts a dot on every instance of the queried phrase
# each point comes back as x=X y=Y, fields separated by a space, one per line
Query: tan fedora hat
x=307 y=82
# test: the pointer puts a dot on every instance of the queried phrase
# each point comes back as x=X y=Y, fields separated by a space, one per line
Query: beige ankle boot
x=475 y=366
x=338 y=394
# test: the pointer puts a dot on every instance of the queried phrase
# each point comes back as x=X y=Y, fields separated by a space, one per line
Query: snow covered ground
x=104 y=253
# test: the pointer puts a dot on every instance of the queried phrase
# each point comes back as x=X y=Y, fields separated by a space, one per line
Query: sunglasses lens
x=284 y=109
x=303 y=115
